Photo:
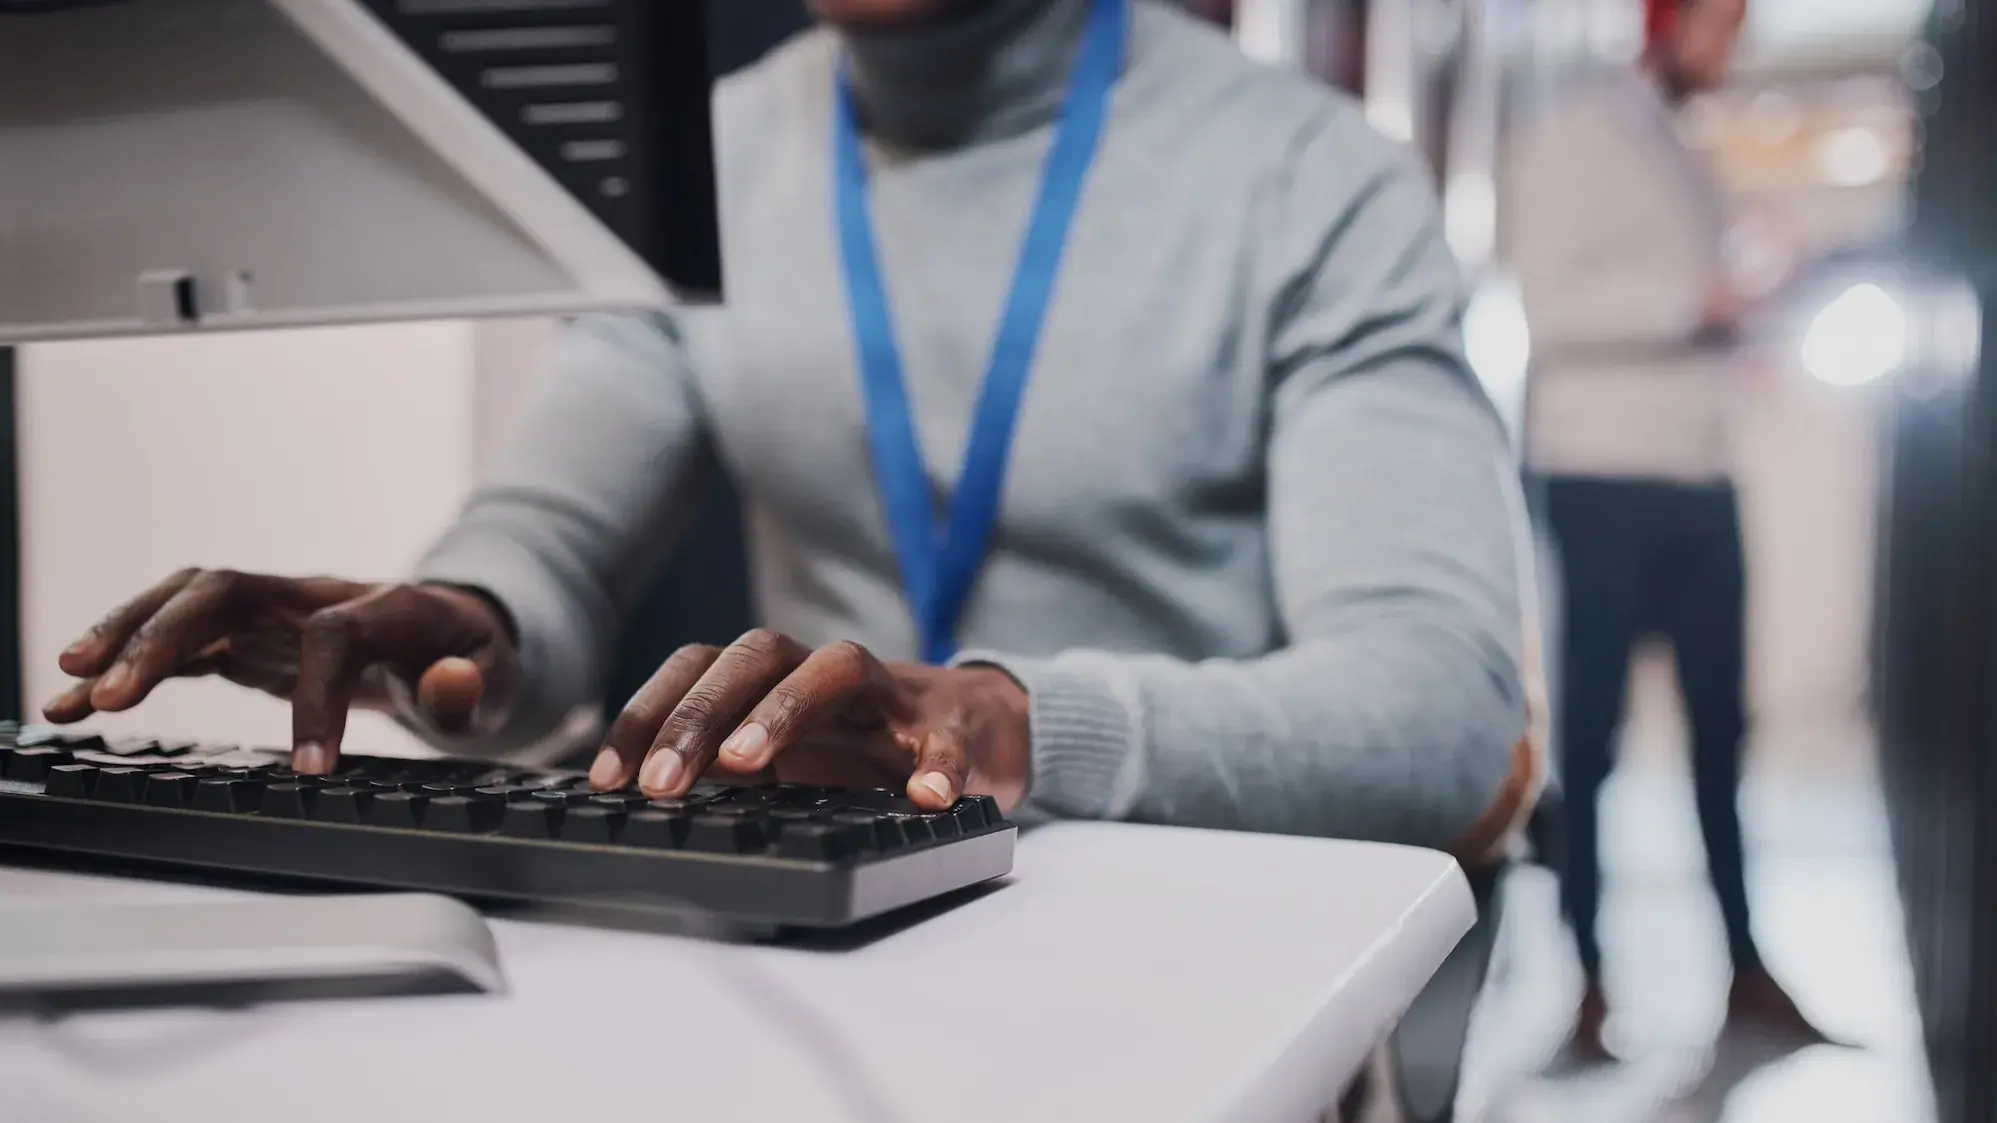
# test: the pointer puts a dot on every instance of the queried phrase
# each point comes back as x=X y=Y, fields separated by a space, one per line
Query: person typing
x=1098 y=404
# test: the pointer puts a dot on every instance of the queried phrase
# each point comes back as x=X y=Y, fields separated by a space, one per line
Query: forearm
x=1400 y=731
x=1395 y=712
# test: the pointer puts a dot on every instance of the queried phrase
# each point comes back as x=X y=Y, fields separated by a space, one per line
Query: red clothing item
x=1659 y=18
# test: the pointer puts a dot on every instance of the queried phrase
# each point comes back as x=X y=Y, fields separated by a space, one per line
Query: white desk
x=1124 y=974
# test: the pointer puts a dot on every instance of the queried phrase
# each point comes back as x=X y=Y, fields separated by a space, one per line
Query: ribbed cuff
x=1084 y=750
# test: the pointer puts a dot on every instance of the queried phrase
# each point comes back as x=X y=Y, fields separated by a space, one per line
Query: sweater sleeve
x=1392 y=711
x=577 y=510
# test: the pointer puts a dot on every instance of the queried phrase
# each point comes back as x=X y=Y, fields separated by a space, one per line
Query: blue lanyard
x=939 y=561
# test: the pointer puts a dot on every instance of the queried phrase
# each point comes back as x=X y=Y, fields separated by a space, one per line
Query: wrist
x=1006 y=713
x=480 y=605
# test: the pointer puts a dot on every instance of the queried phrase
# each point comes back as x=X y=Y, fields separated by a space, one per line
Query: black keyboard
x=777 y=855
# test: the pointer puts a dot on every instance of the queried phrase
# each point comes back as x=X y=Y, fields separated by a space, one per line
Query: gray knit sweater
x=1255 y=565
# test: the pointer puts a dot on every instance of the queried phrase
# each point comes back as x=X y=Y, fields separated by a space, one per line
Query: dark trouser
x=1641 y=557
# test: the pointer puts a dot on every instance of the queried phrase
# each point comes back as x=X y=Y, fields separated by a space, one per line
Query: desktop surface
x=1121 y=972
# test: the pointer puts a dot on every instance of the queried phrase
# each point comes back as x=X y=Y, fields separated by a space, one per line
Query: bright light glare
x=1498 y=343
x=1854 y=157
x=1858 y=338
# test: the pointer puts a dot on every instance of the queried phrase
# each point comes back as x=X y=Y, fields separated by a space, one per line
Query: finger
x=332 y=651
x=826 y=685
x=72 y=705
x=449 y=693
x=395 y=624
x=638 y=724
x=254 y=661
x=403 y=629
x=91 y=654
x=193 y=618
x=690 y=738
x=942 y=768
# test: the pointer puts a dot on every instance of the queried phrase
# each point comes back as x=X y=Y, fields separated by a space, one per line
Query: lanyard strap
x=939 y=561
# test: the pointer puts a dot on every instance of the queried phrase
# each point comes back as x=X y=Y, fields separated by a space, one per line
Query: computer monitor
x=174 y=165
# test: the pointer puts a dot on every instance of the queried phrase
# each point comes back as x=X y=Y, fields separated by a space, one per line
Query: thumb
x=942 y=768
x=449 y=693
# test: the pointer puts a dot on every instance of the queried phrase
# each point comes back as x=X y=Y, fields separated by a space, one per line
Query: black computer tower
x=1936 y=639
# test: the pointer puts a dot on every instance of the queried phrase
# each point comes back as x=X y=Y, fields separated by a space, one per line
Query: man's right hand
x=322 y=643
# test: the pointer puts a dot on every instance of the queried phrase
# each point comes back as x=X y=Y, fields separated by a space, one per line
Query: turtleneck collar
x=992 y=72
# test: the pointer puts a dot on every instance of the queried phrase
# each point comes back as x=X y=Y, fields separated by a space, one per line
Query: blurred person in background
x=1246 y=562
x=1618 y=237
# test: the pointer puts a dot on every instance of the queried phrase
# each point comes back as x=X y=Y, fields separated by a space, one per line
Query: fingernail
x=937 y=784
x=75 y=650
x=608 y=769
x=746 y=745
x=311 y=758
x=661 y=772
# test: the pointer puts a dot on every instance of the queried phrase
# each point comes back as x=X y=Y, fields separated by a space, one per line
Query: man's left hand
x=835 y=716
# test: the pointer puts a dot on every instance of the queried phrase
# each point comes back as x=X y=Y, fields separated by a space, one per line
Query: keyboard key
x=289 y=800
x=505 y=793
x=84 y=742
x=435 y=789
x=343 y=804
x=33 y=764
x=119 y=785
x=397 y=809
x=788 y=815
x=71 y=781
x=229 y=794
x=976 y=812
x=533 y=819
x=686 y=803
x=33 y=736
x=885 y=832
x=619 y=801
x=879 y=799
x=943 y=826
x=592 y=823
x=170 y=789
x=129 y=746
x=916 y=828
x=176 y=748
x=726 y=834
x=558 y=797
x=824 y=842
x=657 y=828
x=459 y=814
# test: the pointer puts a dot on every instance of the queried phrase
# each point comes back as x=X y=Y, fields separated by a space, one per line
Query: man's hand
x=835 y=716
x=323 y=643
